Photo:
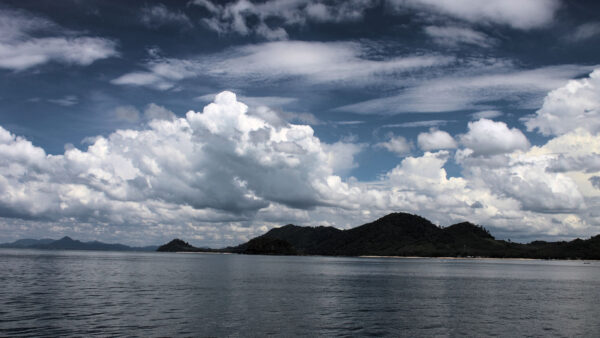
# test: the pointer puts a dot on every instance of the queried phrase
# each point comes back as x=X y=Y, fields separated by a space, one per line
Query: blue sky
x=484 y=111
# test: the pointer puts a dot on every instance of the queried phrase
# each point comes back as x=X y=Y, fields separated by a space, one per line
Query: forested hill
x=402 y=234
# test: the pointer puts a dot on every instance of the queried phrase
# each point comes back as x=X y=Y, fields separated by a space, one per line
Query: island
x=399 y=234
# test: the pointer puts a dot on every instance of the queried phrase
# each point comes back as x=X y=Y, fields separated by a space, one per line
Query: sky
x=212 y=121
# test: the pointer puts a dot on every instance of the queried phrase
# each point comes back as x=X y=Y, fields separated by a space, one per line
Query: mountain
x=402 y=234
x=25 y=243
x=177 y=245
x=67 y=243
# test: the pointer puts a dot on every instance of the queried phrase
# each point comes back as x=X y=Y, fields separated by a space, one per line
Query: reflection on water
x=162 y=294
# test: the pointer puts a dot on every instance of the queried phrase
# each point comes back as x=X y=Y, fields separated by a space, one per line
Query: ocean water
x=75 y=293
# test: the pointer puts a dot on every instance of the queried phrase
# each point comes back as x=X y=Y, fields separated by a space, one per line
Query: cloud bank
x=228 y=173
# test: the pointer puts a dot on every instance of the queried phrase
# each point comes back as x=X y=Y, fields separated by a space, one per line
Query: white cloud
x=315 y=62
x=159 y=15
x=418 y=124
x=340 y=156
x=156 y=112
x=514 y=13
x=396 y=144
x=225 y=174
x=454 y=36
x=216 y=165
x=576 y=104
x=487 y=114
x=20 y=49
x=255 y=101
x=435 y=139
x=486 y=137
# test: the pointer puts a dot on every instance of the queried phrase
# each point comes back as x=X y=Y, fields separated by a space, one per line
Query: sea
x=91 y=293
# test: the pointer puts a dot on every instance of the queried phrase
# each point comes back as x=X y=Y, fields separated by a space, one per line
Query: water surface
x=163 y=294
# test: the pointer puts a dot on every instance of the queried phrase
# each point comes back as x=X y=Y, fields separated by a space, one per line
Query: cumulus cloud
x=218 y=164
x=270 y=19
x=516 y=14
x=20 y=49
x=228 y=173
x=396 y=144
x=574 y=105
x=486 y=137
x=571 y=162
x=341 y=155
x=314 y=62
x=595 y=181
x=435 y=139
x=156 y=112
x=455 y=36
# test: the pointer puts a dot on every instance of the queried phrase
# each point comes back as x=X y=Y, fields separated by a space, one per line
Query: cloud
x=255 y=101
x=218 y=164
x=516 y=14
x=156 y=112
x=156 y=16
x=454 y=36
x=127 y=113
x=487 y=114
x=20 y=49
x=227 y=173
x=486 y=137
x=67 y=101
x=418 y=124
x=314 y=62
x=584 y=32
x=569 y=162
x=595 y=181
x=473 y=87
x=574 y=105
x=396 y=144
x=435 y=140
x=270 y=19
x=341 y=155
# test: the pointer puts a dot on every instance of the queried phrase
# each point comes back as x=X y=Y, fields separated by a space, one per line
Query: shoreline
x=400 y=257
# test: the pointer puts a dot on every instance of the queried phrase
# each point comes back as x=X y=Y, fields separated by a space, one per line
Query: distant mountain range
x=67 y=243
x=399 y=234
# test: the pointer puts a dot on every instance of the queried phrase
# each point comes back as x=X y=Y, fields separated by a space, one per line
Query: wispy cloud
x=344 y=63
x=418 y=124
x=584 y=32
x=450 y=36
x=516 y=14
x=159 y=15
x=69 y=100
x=20 y=49
x=520 y=88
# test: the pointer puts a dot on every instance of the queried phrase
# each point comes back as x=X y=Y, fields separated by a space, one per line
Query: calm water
x=151 y=294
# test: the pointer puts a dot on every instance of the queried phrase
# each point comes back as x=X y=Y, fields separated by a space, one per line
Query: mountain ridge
x=67 y=243
x=403 y=234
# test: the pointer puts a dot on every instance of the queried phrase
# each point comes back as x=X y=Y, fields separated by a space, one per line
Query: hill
x=67 y=243
x=402 y=234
